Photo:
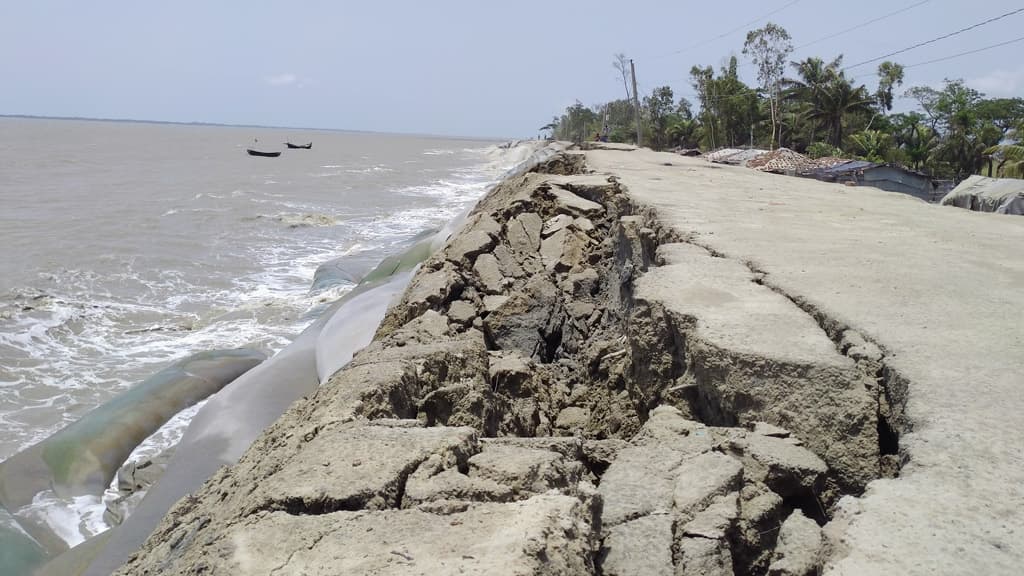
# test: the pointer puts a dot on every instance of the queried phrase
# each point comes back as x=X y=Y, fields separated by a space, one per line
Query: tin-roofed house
x=884 y=176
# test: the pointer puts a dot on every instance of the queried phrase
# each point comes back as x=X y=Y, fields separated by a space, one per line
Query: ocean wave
x=74 y=520
x=304 y=220
x=380 y=168
x=78 y=340
x=76 y=344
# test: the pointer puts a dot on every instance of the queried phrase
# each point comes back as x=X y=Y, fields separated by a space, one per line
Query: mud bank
x=570 y=386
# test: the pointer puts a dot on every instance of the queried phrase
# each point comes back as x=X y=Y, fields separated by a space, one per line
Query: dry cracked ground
x=547 y=399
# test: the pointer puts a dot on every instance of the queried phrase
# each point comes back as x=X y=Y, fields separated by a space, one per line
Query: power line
x=730 y=32
x=934 y=40
x=861 y=25
x=746 y=65
x=943 y=59
x=862 y=76
x=873 y=21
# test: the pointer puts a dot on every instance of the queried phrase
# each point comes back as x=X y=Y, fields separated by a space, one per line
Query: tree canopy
x=812 y=106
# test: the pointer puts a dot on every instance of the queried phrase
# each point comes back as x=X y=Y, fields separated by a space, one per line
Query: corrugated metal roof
x=851 y=166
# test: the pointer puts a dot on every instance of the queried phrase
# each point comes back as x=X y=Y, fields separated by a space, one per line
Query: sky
x=473 y=68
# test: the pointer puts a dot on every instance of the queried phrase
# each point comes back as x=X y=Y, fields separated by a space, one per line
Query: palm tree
x=1010 y=158
x=552 y=126
x=681 y=131
x=838 y=100
x=962 y=148
x=918 y=143
x=872 y=145
x=807 y=91
x=890 y=75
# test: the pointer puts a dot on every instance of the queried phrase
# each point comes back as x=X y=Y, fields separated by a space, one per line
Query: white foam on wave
x=452 y=194
x=74 y=519
x=306 y=220
x=95 y=347
x=266 y=309
x=379 y=168
x=326 y=174
x=284 y=279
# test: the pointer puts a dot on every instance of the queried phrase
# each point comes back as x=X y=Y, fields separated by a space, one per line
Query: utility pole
x=636 y=101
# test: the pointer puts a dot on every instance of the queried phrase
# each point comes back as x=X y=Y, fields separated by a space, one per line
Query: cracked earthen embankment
x=574 y=385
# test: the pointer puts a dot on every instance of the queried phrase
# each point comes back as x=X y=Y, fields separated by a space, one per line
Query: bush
x=823 y=149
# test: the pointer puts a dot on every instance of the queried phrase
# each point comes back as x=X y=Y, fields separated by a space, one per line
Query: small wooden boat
x=266 y=154
x=297 y=146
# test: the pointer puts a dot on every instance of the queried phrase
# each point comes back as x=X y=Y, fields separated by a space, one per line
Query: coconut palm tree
x=1010 y=158
x=872 y=145
x=917 y=142
x=806 y=92
x=551 y=126
x=681 y=131
x=838 y=100
x=890 y=75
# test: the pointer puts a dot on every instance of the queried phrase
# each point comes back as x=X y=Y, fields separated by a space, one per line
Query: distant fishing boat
x=258 y=153
x=302 y=146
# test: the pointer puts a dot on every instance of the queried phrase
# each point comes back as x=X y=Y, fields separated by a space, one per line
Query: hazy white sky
x=460 y=67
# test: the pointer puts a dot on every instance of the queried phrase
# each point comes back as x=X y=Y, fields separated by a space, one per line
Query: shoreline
x=604 y=371
x=64 y=521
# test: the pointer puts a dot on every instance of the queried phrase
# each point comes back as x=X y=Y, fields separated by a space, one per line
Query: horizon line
x=266 y=126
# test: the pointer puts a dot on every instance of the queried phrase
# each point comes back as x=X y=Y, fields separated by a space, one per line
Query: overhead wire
x=915 y=65
x=943 y=59
x=717 y=99
x=956 y=55
x=862 y=25
x=742 y=65
x=936 y=39
x=728 y=33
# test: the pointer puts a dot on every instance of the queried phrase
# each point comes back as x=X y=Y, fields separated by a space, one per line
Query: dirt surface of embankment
x=634 y=363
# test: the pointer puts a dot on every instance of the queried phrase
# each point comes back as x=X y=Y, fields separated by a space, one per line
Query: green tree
x=729 y=108
x=806 y=93
x=550 y=127
x=684 y=109
x=768 y=48
x=839 y=100
x=701 y=78
x=577 y=124
x=890 y=75
x=657 y=108
x=1006 y=114
x=1006 y=159
x=927 y=99
x=620 y=118
x=955 y=113
x=682 y=132
x=914 y=140
x=872 y=145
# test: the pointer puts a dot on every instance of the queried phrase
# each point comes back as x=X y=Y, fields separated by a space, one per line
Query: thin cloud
x=281 y=79
x=999 y=83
